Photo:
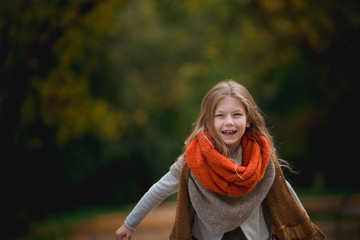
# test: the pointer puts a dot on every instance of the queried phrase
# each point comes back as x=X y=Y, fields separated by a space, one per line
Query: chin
x=232 y=143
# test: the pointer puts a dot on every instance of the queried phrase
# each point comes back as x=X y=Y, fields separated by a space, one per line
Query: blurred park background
x=97 y=97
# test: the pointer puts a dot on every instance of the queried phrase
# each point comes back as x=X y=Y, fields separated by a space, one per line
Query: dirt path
x=156 y=226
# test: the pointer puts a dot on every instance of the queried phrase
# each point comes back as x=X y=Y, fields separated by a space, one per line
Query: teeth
x=229 y=131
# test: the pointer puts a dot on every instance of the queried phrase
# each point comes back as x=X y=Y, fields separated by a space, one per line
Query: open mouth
x=229 y=132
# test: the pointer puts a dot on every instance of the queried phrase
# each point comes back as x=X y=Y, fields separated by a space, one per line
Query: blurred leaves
x=97 y=97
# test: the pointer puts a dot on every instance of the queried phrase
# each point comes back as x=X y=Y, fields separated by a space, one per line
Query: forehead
x=230 y=103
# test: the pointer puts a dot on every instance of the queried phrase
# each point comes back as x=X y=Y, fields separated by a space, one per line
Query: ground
x=337 y=216
x=156 y=226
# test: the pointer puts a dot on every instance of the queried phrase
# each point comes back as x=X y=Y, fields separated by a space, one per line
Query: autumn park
x=98 y=97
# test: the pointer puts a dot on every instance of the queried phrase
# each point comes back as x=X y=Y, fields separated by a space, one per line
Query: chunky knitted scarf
x=220 y=174
x=221 y=213
x=289 y=220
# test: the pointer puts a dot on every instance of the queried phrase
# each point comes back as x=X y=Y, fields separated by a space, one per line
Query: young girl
x=229 y=181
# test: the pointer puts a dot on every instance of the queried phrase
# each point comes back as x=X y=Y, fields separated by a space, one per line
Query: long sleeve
x=296 y=197
x=157 y=193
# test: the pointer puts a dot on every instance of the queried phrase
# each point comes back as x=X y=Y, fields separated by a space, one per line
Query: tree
x=91 y=90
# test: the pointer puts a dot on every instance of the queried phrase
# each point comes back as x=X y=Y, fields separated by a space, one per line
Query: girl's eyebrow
x=240 y=110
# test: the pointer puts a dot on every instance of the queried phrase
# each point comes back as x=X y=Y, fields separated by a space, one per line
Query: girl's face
x=230 y=121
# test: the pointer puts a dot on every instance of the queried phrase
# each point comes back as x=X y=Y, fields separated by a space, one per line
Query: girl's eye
x=219 y=115
x=237 y=114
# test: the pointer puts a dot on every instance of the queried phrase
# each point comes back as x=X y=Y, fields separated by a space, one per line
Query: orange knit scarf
x=220 y=174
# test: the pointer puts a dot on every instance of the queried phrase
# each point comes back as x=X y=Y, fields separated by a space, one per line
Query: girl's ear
x=248 y=124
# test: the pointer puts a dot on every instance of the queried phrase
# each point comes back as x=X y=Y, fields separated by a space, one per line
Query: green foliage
x=97 y=97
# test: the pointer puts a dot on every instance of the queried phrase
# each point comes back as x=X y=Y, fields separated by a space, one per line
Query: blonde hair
x=253 y=114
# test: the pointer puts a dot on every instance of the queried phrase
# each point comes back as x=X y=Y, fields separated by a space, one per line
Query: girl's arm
x=165 y=187
x=296 y=197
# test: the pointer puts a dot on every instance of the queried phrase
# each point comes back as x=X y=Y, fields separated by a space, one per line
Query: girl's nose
x=229 y=121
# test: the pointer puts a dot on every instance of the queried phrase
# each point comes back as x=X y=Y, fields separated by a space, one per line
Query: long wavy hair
x=254 y=116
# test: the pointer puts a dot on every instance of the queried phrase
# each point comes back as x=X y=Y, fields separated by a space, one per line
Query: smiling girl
x=229 y=180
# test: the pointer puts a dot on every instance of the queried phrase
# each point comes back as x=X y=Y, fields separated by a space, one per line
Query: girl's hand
x=123 y=233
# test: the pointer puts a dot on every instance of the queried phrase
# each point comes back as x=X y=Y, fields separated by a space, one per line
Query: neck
x=236 y=155
x=234 y=149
